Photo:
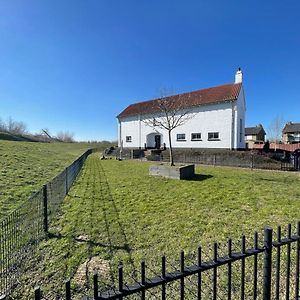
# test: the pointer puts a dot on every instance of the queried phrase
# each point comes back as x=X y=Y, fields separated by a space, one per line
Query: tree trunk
x=171 y=150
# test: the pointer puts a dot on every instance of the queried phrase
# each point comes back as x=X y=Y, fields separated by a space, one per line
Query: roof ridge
x=185 y=93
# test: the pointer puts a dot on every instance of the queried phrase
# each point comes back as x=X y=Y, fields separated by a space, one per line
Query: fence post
x=95 y=285
x=267 y=263
x=67 y=188
x=68 y=289
x=37 y=293
x=45 y=206
x=121 y=281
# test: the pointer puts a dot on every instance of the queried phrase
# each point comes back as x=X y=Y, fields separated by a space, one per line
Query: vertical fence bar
x=6 y=256
x=1 y=262
x=277 y=287
x=95 y=285
x=9 y=250
x=182 y=279
x=243 y=244
x=67 y=187
x=143 y=279
x=255 y=267
x=121 y=280
x=45 y=208
x=229 y=270
x=68 y=289
x=199 y=274
x=215 y=272
x=163 y=275
x=267 y=263
x=288 y=264
x=37 y=293
x=297 y=263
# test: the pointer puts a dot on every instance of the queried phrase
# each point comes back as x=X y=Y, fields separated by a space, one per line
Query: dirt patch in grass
x=86 y=270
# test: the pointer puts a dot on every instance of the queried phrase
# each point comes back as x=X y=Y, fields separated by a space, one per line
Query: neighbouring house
x=254 y=135
x=218 y=120
x=291 y=133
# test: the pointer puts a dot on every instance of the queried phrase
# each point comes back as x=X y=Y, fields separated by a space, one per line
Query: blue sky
x=74 y=65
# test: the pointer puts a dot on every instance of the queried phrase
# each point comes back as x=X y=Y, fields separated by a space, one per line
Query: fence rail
x=22 y=230
x=249 y=161
x=243 y=159
x=267 y=269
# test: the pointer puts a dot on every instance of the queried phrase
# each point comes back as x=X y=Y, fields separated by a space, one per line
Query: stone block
x=174 y=172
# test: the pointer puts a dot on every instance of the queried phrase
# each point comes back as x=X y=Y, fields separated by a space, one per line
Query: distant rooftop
x=254 y=130
x=291 y=127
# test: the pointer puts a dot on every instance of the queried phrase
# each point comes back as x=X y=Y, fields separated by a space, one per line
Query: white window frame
x=197 y=138
x=213 y=138
x=180 y=137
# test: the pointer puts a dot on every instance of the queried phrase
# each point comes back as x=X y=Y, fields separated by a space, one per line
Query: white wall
x=240 y=109
x=251 y=137
x=210 y=118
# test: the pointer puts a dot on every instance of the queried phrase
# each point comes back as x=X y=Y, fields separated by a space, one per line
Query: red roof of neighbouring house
x=213 y=95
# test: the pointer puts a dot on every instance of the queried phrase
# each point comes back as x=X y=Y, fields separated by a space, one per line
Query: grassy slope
x=11 y=137
x=117 y=212
x=25 y=166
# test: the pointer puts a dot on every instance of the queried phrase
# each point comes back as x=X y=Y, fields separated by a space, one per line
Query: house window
x=196 y=137
x=128 y=139
x=213 y=136
x=180 y=136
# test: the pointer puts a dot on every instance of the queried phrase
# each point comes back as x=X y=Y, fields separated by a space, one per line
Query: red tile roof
x=218 y=94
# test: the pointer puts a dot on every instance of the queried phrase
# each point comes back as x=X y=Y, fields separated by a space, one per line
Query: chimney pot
x=239 y=76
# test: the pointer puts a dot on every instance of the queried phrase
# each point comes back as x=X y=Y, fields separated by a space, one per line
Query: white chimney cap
x=239 y=76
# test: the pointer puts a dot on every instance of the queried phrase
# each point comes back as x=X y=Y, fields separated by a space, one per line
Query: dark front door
x=157 y=141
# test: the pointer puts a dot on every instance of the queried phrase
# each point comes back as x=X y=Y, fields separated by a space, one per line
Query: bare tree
x=275 y=129
x=2 y=126
x=170 y=113
x=65 y=136
x=16 y=127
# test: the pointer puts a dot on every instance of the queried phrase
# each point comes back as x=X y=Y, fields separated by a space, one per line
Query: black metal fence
x=265 y=268
x=243 y=160
x=22 y=230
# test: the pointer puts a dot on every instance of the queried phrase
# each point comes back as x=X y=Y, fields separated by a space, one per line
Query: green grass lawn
x=116 y=212
x=25 y=166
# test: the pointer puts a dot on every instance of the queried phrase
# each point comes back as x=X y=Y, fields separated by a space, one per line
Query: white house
x=217 y=120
